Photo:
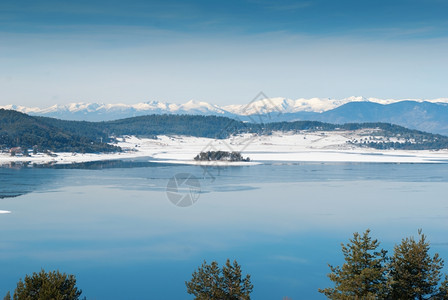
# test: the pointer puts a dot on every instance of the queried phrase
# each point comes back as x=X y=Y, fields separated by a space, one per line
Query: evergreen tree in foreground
x=45 y=286
x=363 y=275
x=411 y=273
x=414 y=273
x=443 y=290
x=210 y=282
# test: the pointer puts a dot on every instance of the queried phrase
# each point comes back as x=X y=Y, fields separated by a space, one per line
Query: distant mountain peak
x=322 y=109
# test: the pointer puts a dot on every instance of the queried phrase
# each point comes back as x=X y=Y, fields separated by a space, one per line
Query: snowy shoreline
x=289 y=147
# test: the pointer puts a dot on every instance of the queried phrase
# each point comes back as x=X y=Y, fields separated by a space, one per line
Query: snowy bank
x=299 y=147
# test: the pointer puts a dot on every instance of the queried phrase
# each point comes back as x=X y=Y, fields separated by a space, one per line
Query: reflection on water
x=98 y=165
x=17 y=179
x=112 y=224
x=15 y=182
x=140 y=174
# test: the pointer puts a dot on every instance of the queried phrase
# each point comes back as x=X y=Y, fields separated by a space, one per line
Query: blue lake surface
x=113 y=226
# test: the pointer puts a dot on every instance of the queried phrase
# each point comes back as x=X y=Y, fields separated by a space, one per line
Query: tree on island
x=220 y=156
x=210 y=282
x=47 y=285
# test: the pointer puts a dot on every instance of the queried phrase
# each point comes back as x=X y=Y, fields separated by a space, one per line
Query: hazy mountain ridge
x=426 y=115
x=267 y=105
x=106 y=112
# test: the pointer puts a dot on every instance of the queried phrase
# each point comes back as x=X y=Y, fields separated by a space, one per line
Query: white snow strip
x=300 y=147
x=208 y=163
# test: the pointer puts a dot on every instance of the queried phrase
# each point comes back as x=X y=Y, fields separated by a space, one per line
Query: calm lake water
x=113 y=226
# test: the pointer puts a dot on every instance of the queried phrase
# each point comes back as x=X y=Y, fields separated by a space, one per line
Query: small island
x=220 y=156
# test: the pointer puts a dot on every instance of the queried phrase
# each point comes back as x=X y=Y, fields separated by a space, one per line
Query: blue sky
x=223 y=52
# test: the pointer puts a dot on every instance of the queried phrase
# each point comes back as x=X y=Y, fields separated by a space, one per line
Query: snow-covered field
x=300 y=147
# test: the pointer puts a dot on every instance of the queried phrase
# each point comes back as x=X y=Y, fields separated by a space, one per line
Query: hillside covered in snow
x=49 y=134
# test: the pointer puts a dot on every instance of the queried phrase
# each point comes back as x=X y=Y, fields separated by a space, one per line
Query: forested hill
x=385 y=136
x=59 y=135
x=21 y=130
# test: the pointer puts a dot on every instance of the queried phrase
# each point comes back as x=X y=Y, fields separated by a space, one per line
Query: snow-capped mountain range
x=423 y=114
x=101 y=111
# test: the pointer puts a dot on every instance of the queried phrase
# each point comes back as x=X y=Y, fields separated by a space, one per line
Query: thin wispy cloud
x=290 y=6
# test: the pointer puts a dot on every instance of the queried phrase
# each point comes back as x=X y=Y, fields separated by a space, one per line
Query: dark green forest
x=18 y=129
